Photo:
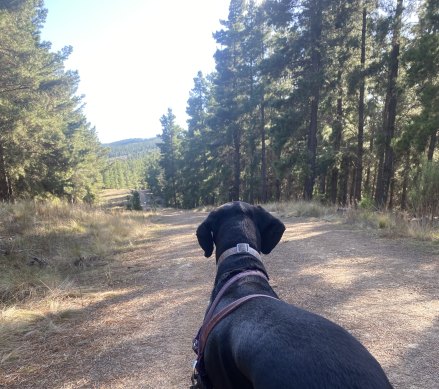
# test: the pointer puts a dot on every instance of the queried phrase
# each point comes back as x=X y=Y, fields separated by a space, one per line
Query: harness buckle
x=195 y=345
x=195 y=378
x=242 y=247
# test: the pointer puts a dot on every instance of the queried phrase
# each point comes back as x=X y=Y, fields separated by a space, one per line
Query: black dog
x=263 y=342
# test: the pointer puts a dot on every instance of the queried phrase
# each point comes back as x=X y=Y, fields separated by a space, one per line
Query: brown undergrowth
x=55 y=258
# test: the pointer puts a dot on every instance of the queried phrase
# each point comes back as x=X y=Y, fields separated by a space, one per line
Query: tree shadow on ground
x=382 y=291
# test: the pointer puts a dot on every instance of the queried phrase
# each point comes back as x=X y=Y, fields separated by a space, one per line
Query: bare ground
x=384 y=291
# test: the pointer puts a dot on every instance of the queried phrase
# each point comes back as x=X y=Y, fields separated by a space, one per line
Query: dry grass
x=114 y=198
x=389 y=224
x=48 y=252
x=393 y=225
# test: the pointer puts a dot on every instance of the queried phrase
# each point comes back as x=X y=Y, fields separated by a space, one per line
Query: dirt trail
x=384 y=291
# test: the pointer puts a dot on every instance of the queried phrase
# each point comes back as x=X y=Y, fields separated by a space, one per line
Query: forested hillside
x=329 y=99
x=47 y=147
x=128 y=163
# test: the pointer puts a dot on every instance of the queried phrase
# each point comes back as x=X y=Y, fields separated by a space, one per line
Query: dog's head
x=239 y=222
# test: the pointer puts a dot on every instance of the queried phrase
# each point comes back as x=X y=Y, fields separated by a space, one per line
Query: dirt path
x=383 y=291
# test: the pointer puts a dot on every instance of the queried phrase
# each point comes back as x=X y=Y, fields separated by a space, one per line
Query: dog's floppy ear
x=205 y=238
x=270 y=228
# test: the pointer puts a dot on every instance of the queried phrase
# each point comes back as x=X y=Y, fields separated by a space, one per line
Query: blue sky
x=136 y=58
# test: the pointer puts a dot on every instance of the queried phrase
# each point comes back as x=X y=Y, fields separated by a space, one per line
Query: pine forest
x=328 y=100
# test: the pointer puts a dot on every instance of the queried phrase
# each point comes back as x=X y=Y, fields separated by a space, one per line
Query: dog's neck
x=233 y=265
x=240 y=248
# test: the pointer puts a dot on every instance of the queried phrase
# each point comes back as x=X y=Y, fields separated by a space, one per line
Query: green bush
x=424 y=197
x=134 y=201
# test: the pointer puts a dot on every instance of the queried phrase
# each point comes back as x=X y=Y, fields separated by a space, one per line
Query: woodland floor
x=384 y=291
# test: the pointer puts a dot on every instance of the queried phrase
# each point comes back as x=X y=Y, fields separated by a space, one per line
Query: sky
x=135 y=58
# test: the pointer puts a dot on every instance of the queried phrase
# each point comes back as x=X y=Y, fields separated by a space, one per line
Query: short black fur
x=269 y=344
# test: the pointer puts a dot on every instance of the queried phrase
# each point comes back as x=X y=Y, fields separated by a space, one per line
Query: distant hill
x=132 y=148
x=128 y=162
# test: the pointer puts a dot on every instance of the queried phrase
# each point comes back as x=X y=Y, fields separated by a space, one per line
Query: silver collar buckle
x=242 y=248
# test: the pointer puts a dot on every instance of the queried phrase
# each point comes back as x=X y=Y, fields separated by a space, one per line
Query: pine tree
x=195 y=147
x=170 y=157
x=386 y=155
x=41 y=120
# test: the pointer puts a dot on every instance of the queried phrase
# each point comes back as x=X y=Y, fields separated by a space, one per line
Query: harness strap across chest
x=211 y=319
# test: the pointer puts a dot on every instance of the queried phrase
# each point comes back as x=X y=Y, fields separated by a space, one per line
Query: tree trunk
x=312 y=151
x=385 y=170
x=352 y=186
x=368 y=187
x=338 y=134
x=236 y=165
x=316 y=33
x=360 y=139
x=405 y=180
x=5 y=184
x=322 y=184
x=432 y=146
x=263 y=155
x=344 y=181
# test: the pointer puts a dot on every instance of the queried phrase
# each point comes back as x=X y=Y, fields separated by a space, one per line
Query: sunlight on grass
x=42 y=243
x=55 y=259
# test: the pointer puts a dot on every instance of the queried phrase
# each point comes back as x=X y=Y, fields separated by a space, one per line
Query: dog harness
x=199 y=376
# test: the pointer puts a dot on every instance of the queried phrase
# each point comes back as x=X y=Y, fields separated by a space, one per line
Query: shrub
x=134 y=201
x=424 y=197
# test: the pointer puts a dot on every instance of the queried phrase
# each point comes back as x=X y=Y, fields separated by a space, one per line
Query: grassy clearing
x=55 y=258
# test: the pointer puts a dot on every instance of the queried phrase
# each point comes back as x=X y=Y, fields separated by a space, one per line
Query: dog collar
x=240 y=248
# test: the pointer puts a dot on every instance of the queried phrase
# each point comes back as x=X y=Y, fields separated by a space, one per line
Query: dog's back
x=267 y=343
x=272 y=345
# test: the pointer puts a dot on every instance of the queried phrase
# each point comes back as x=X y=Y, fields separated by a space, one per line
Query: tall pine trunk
x=405 y=181
x=5 y=185
x=385 y=167
x=235 y=193
x=432 y=146
x=316 y=34
x=360 y=139
x=342 y=196
x=338 y=133
x=263 y=154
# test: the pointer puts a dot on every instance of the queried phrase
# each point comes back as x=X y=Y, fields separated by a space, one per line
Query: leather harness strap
x=211 y=320
x=226 y=286
x=199 y=376
x=223 y=313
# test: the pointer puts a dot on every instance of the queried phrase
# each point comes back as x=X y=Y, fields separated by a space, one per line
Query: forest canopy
x=47 y=147
x=334 y=100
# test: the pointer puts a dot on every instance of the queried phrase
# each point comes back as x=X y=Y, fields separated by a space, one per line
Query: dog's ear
x=270 y=228
x=205 y=238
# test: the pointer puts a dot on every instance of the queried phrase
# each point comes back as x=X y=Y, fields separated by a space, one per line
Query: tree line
x=127 y=162
x=334 y=100
x=325 y=99
x=47 y=147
